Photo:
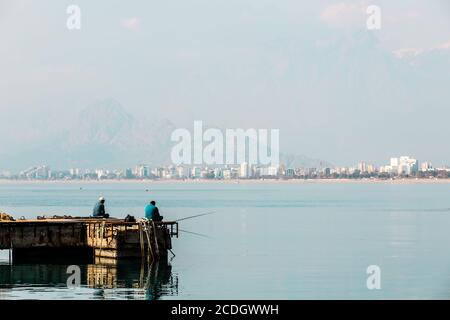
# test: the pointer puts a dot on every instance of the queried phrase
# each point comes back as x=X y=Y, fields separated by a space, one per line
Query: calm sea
x=265 y=241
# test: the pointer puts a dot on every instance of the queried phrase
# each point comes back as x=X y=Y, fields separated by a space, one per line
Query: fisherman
x=152 y=212
x=99 y=209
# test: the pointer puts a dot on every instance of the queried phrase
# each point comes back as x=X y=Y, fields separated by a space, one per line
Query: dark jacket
x=99 y=210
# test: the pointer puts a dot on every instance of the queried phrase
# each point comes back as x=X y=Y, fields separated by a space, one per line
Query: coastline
x=231 y=181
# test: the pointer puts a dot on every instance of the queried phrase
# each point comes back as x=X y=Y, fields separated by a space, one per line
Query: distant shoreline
x=232 y=181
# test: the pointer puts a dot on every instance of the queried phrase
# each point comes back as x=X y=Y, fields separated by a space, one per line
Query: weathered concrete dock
x=86 y=238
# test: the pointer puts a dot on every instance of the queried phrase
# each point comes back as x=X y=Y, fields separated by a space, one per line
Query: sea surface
x=268 y=240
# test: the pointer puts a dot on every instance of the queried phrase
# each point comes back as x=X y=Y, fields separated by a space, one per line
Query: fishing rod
x=195 y=233
x=197 y=215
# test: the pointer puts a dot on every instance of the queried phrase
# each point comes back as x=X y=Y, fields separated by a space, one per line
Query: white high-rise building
x=404 y=165
x=227 y=174
x=142 y=171
x=181 y=172
x=426 y=166
x=196 y=172
x=408 y=165
x=101 y=173
x=244 y=171
x=272 y=171
x=362 y=167
x=394 y=162
x=393 y=167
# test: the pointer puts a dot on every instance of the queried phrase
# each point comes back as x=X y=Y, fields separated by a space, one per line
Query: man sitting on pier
x=152 y=212
x=99 y=209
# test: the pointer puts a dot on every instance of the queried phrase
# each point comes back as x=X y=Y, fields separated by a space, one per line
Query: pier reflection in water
x=155 y=279
x=102 y=280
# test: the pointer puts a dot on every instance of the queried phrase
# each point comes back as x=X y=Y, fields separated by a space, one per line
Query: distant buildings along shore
x=401 y=167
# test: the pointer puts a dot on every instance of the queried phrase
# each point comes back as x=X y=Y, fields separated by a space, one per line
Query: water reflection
x=106 y=279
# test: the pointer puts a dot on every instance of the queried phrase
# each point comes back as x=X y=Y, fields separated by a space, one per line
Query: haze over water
x=267 y=240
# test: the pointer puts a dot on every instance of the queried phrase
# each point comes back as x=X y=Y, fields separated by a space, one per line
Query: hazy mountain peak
x=105 y=122
x=105 y=134
x=105 y=107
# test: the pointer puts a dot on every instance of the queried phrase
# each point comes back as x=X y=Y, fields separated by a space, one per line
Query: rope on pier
x=149 y=246
x=144 y=226
x=141 y=239
x=155 y=237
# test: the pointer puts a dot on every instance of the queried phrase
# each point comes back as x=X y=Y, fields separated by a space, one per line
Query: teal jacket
x=149 y=211
x=152 y=213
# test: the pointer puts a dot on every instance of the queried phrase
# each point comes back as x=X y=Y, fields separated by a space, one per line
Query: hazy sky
x=336 y=90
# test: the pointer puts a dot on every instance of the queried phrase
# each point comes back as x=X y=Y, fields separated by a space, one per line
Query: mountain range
x=103 y=135
x=106 y=135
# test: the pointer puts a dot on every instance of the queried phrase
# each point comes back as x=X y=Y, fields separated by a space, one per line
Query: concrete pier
x=86 y=238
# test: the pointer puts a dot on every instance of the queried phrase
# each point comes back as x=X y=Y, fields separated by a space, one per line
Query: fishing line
x=198 y=215
x=195 y=233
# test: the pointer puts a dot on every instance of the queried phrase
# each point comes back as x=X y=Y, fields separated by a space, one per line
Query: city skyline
x=403 y=166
